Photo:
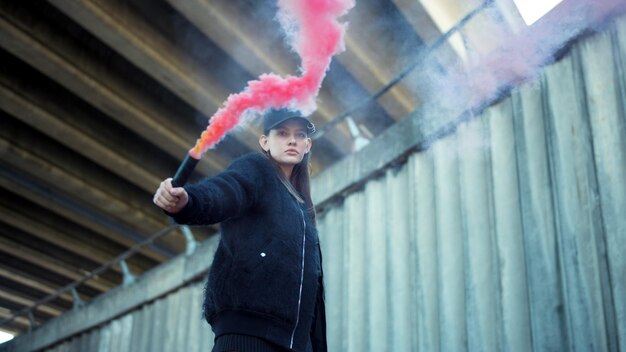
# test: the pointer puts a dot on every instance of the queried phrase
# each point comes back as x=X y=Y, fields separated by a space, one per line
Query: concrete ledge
x=355 y=169
x=161 y=280
x=391 y=148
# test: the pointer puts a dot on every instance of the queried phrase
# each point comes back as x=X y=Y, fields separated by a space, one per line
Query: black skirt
x=244 y=343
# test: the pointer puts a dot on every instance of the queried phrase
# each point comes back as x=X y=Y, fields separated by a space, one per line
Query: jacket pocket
x=266 y=280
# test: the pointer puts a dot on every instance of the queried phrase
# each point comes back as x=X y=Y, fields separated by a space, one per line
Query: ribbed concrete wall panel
x=332 y=257
x=578 y=217
x=481 y=280
x=449 y=248
x=399 y=280
x=421 y=193
x=170 y=323
x=508 y=227
x=355 y=280
x=547 y=321
x=606 y=114
x=376 y=235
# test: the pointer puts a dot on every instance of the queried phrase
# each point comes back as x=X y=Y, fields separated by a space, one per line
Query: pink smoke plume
x=519 y=59
x=524 y=55
x=318 y=36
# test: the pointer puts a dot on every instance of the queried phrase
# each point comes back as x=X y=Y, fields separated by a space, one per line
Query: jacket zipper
x=301 y=279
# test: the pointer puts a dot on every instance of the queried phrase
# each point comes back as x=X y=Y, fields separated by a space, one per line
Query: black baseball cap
x=275 y=117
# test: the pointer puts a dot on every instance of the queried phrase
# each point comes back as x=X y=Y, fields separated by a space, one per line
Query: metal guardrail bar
x=439 y=42
x=29 y=310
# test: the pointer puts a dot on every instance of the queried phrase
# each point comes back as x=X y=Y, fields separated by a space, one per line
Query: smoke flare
x=316 y=35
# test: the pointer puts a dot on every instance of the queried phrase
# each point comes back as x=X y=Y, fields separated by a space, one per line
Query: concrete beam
x=123 y=30
x=67 y=183
x=447 y=13
x=18 y=326
x=127 y=33
x=14 y=274
x=427 y=29
x=374 y=67
x=18 y=298
x=69 y=209
x=44 y=219
x=14 y=329
x=36 y=116
x=40 y=47
x=419 y=19
x=62 y=240
x=12 y=248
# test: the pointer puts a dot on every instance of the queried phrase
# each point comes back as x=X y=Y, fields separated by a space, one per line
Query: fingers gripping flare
x=169 y=198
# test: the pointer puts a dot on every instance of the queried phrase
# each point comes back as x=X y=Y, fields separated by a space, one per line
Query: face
x=287 y=143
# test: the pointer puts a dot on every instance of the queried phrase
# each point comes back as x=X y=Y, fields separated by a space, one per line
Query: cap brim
x=310 y=127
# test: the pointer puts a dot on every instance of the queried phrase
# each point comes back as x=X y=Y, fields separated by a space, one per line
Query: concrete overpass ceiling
x=101 y=99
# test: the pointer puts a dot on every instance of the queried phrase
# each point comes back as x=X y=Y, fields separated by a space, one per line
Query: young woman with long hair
x=264 y=290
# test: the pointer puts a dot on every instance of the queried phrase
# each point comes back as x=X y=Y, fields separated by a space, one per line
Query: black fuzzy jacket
x=265 y=279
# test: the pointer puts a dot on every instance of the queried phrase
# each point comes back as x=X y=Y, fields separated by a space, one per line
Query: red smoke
x=318 y=36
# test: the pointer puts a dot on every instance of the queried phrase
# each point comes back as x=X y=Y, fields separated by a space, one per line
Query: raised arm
x=221 y=197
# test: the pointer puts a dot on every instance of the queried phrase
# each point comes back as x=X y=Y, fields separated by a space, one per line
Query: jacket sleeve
x=226 y=195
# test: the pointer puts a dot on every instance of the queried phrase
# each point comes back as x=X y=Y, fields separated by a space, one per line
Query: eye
x=282 y=133
x=301 y=135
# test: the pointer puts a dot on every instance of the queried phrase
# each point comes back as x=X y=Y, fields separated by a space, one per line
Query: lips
x=290 y=151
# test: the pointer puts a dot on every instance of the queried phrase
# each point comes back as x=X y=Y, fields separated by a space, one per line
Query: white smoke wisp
x=519 y=59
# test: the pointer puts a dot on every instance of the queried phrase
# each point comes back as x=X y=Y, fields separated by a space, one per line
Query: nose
x=292 y=140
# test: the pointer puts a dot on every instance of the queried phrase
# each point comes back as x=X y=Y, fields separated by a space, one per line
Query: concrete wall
x=507 y=233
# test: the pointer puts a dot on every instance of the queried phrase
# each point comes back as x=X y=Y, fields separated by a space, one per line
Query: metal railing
x=120 y=259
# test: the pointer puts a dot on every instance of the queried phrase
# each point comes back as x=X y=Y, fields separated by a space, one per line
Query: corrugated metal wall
x=509 y=234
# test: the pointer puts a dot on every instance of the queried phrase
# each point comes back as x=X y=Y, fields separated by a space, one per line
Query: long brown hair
x=299 y=185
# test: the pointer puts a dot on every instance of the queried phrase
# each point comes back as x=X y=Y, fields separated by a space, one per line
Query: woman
x=264 y=290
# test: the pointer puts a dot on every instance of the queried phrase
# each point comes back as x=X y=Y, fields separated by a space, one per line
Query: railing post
x=192 y=244
x=78 y=303
x=129 y=278
x=31 y=320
